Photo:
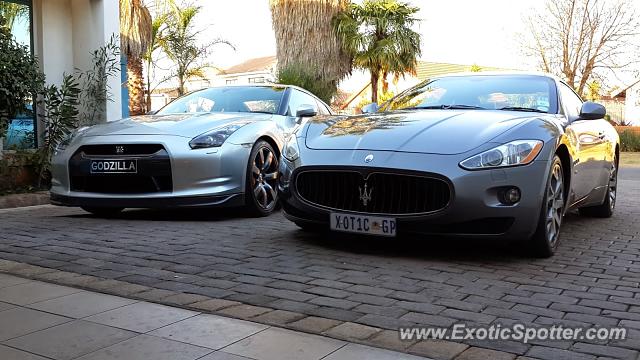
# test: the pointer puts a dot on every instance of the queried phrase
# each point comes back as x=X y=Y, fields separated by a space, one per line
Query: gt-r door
x=588 y=142
x=297 y=98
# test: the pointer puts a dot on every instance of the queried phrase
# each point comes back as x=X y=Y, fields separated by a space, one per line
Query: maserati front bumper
x=474 y=206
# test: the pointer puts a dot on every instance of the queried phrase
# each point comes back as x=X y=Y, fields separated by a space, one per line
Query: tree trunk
x=135 y=83
x=375 y=75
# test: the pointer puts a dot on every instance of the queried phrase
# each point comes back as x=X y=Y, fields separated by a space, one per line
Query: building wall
x=632 y=105
x=65 y=34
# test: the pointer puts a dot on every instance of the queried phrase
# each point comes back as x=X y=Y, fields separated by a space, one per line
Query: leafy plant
x=630 y=141
x=59 y=116
x=96 y=91
x=379 y=36
x=305 y=78
x=21 y=79
x=182 y=47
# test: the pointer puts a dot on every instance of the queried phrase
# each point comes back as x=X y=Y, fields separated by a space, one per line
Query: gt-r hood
x=422 y=131
x=187 y=125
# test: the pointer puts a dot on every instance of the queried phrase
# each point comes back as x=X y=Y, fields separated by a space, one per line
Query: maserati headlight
x=215 y=138
x=291 y=150
x=519 y=152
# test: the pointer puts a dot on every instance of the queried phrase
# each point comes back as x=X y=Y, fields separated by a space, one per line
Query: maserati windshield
x=505 y=92
x=261 y=99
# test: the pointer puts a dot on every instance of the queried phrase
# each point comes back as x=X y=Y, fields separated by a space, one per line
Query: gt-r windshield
x=480 y=92
x=256 y=99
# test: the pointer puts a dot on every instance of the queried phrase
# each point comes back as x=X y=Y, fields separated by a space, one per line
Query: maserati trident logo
x=368 y=158
x=365 y=195
x=119 y=149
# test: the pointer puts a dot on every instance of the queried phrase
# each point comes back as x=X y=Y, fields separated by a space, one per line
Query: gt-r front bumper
x=473 y=210
x=168 y=173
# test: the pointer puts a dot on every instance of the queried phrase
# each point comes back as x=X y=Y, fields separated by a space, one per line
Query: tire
x=544 y=241
x=261 y=186
x=607 y=207
x=103 y=211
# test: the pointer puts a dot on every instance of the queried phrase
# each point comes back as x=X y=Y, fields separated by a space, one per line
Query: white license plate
x=362 y=224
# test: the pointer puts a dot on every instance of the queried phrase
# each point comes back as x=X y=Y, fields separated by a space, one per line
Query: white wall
x=65 y=34
x=632 y=104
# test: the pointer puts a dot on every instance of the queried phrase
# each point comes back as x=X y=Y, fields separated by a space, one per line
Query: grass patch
x=631 y=159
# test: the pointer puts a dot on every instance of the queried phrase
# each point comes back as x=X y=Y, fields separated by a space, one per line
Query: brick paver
x=380 y=283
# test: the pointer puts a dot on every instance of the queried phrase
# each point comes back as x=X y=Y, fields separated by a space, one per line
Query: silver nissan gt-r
x=473 y=155
x=214 y=147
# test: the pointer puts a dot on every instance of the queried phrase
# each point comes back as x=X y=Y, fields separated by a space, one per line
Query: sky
x=455 y=31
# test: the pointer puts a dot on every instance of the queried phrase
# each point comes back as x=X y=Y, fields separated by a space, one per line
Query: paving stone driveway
x=593 y=280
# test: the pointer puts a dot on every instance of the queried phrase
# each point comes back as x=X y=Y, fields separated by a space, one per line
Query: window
x=261 y=99
x=256 y=80
x=571 y=101
x=232 y=81
x=322 y=109
x=297 y=98
x=17 y=15
x=482 y=91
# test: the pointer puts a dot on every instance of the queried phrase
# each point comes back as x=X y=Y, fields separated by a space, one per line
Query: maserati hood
x=187 y=125
x=421 y=131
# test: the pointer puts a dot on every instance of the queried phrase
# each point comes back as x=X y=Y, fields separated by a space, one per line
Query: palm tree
x=180 y=44
x=135 y=38
x=379 y=36
x=158 y=28
x=305 y=39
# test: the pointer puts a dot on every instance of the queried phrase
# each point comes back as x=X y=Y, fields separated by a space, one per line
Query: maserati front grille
x=375 y=193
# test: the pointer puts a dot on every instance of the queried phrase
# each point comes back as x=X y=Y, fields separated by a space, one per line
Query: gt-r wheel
x=545 y=240
x=103 y=211
x=262 y=177
x=606 y=209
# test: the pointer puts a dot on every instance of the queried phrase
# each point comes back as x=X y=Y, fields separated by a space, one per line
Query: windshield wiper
x=448 y=107
x=518 y=108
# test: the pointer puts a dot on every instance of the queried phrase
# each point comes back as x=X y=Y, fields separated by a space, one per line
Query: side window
x=322 y=109
x=571 y=101
x=298 y=98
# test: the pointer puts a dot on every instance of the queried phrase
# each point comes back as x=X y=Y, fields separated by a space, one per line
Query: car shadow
x=431 y=247
x=181 y=214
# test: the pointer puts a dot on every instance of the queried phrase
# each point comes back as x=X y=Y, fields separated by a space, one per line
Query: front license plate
x=362 y=224
x=114 y=166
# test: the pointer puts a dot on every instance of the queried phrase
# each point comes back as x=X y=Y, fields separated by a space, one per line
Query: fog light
x=509 y=196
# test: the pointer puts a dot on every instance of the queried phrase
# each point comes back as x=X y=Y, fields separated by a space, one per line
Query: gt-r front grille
x=152 y=173
x=375 y=193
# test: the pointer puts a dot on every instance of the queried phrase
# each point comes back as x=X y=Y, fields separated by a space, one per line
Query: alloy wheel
x=264 y=178
x=613 y=185
x=555 y=204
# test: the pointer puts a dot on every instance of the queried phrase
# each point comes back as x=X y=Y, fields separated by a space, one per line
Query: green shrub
x=306 y=79
x=630 y=141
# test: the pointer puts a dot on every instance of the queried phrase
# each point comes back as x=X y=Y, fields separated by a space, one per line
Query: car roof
x=501 y=73
x=284 y=86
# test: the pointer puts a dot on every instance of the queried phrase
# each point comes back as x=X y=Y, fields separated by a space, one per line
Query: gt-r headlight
x=519 y=152
x=66 y=140
x=215 y=138
x=291 y=150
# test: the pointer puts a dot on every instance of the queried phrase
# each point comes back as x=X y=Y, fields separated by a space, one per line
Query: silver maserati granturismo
x=473 y=155
x=213 y=147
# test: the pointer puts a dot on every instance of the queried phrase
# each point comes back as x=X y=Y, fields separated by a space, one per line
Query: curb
x=340 y=330
x=22 y=200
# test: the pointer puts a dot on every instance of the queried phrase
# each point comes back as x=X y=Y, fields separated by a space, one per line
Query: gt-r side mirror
x=371 y=108
x=306 y=110
x=592 y=111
